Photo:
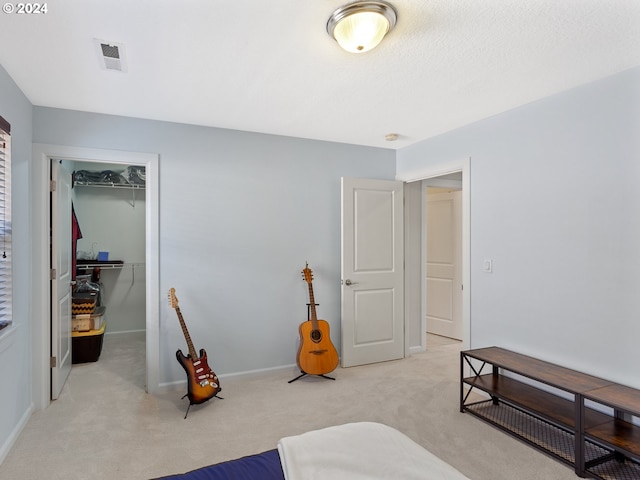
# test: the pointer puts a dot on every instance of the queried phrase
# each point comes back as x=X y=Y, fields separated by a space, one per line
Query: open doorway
x=109 y=214
x=443 y=263
x=101 y=207
x=416 y=248
x=42 y=156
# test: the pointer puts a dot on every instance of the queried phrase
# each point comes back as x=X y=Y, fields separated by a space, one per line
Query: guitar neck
x=312 y=304
x=187 y=337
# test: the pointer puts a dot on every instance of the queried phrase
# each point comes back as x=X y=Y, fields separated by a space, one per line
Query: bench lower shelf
x=553 y=440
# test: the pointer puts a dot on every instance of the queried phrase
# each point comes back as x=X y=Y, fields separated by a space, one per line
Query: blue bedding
x=263 y=466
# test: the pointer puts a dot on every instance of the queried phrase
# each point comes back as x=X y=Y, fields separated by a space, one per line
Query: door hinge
x=53 y=362
x=52 y=185
x=53 y=274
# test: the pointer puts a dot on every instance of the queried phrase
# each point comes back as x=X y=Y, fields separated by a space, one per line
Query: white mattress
x=357 y=451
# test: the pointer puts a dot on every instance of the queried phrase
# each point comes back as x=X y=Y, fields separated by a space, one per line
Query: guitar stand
x=190 y=403
x=303 y=373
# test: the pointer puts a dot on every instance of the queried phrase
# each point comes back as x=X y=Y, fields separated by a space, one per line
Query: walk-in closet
x=108 y=231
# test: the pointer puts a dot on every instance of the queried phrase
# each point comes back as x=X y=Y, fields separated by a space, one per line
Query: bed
x=354 y=451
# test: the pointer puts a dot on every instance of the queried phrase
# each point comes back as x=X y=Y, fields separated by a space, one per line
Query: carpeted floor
x=104 y=426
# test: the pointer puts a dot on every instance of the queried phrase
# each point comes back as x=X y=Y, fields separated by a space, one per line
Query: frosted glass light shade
x=361 y=26
x=361 y=32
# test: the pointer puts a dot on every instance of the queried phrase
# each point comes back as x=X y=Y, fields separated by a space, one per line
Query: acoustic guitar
x=202 y=383
x=316 y=354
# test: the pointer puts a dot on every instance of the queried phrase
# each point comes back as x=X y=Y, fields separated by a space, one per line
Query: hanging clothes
x=75 y=235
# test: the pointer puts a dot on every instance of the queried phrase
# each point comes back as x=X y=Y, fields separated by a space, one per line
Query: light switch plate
x=487 y=266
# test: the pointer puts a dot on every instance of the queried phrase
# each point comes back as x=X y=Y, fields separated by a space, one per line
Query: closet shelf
x=109 y=264
x=109 y=185
x=121 y=186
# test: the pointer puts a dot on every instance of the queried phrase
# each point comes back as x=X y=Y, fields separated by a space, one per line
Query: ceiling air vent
x=112 y=55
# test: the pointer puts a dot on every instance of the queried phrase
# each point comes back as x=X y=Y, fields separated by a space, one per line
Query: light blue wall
x=555 y=202
x=240 y=214
x=15 y=342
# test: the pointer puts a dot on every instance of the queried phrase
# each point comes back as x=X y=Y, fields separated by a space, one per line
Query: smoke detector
x=112 y=55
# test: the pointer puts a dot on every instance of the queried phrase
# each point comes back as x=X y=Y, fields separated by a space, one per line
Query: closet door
x=60 y=277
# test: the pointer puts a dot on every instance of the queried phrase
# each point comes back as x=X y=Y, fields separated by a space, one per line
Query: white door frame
x=41 y=327
x=413 y=257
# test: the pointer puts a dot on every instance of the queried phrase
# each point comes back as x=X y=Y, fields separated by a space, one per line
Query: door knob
x=348 y=282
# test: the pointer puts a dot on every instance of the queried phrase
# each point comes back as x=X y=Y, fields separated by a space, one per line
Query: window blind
x=5 y=226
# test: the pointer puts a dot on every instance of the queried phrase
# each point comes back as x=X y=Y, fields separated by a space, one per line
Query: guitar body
x=202 y=383
x=316 y=354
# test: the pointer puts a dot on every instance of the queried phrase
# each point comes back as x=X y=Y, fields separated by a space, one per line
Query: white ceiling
x=269 y=66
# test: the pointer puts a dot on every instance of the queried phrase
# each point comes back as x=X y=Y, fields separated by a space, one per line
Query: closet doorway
x=108 y=222
x=149 y=270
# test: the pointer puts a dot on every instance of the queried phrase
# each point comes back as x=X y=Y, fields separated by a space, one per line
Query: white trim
x=5 y=448
x=41 y=153
x=7 y=336
x=413 y=212
x=437 y=170
x=441 y=183
x=166 y=387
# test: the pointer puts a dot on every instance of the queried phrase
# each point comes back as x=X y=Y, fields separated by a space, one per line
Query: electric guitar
x=316 y=354
x=202 y=383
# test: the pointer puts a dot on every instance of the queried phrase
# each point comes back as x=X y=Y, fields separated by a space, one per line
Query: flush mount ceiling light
x=360 y=26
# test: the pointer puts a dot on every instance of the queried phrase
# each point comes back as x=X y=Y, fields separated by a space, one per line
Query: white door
x=444 y=264
x=61 y=279
x=372 y=271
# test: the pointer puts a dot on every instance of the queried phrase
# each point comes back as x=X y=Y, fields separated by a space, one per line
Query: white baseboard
x=170 y=386
x=11 y=440
x=417 y=349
